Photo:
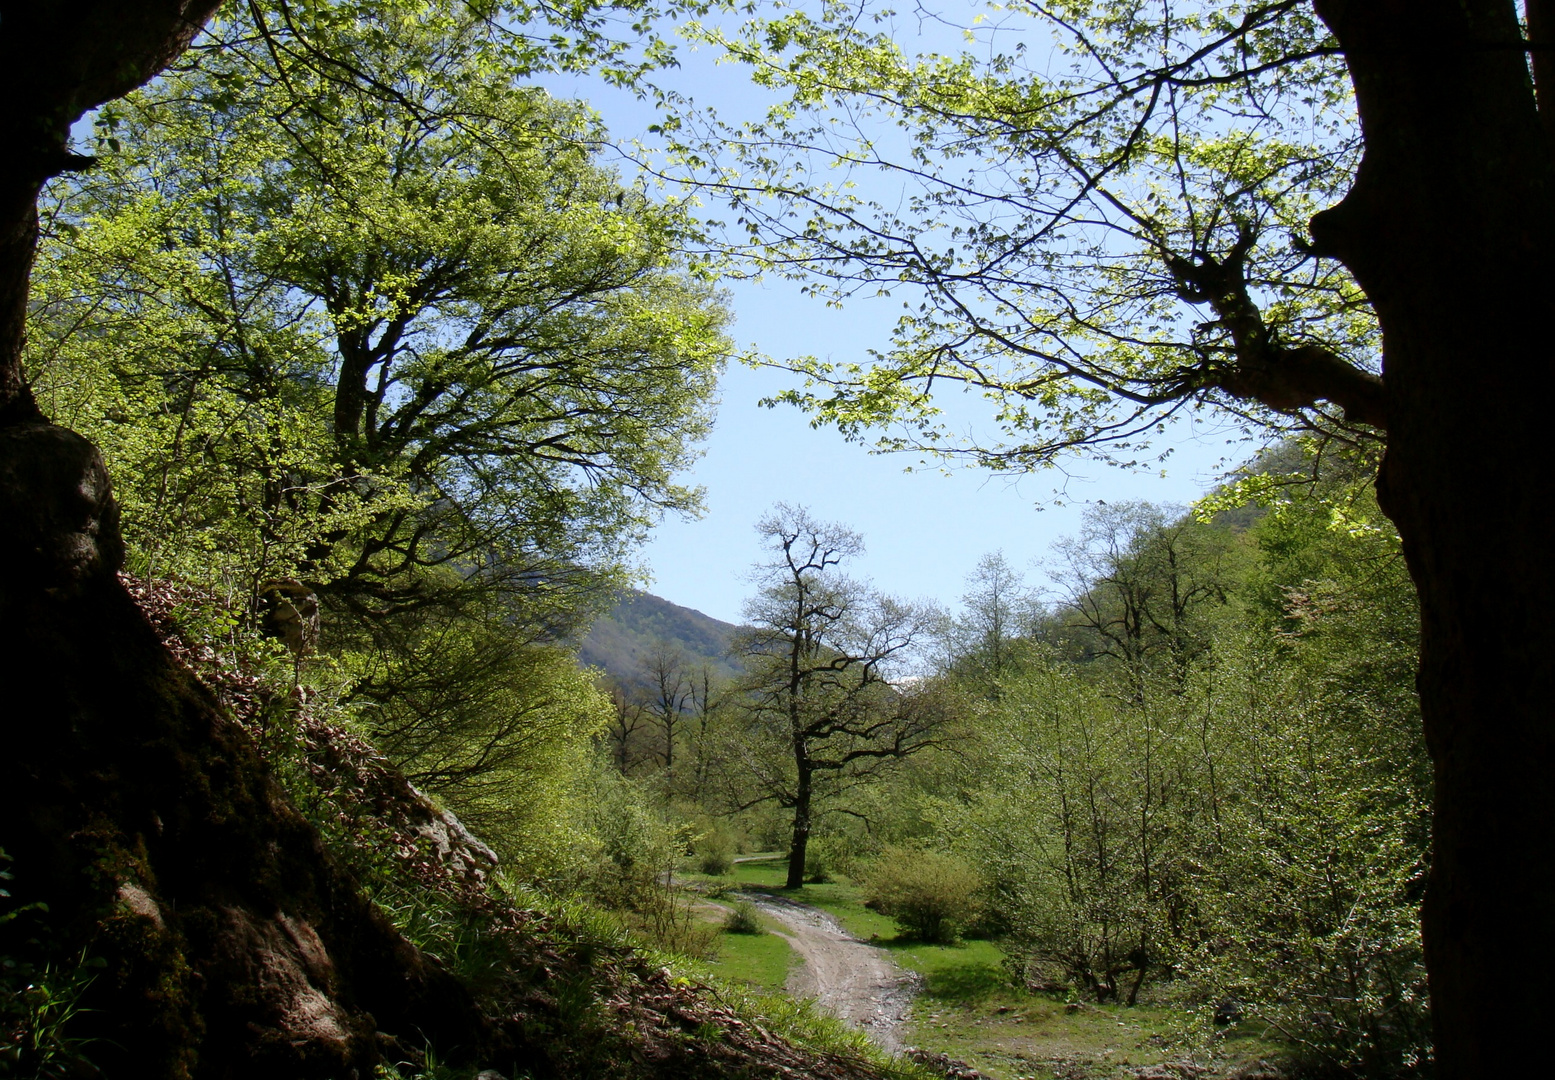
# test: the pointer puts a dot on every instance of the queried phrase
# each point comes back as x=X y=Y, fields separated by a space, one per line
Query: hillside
x=171 y=910
x=618 y=641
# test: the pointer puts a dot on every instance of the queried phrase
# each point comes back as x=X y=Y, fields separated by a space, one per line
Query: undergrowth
x=575 y=984
x=39 y=1004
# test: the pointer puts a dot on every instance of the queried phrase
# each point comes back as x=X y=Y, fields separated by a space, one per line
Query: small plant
x=37 y=1016
x=670 y=923
x=931 y=896
x=37 y=1006
x=742 y=919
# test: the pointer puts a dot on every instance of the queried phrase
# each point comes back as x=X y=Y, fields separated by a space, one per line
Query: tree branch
x=1286 y=379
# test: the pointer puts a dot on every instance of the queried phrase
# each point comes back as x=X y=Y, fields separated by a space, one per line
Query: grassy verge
x=969 y=1009
x=732 y=983
x=762 y=960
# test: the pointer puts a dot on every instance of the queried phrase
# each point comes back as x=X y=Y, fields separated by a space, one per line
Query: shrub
x=715 y=849
x=932 y=896
x=742 y=919
x=817 y=864
x=831 y=854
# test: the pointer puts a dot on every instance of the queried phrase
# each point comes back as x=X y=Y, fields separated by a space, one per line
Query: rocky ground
x=848 y=978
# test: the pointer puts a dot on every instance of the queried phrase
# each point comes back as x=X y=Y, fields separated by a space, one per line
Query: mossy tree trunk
x=129 y=803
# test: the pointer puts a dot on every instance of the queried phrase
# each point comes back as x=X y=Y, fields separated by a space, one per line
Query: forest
x=345 y=370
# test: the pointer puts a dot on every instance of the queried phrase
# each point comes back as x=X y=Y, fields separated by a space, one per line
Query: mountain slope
x=619 y=641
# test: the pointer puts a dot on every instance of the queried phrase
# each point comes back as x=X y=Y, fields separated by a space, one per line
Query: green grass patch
x=970 y=1010
x=766 y=871
x=761 y=959
x=965 y=973
x=841 y=898
x=747 y=978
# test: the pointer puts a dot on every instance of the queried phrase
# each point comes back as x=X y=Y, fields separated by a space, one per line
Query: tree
x=1447 y=226
x=423 y=353
x=1251 y=822
x=669 y=689
x=681 y=699
x=497 y=727
x=665 y=716
x=628 y=717
x=1135 y=582
x=131 y=801
x=822 y=651
x=1321 y=215
x=998 y=612
x=704 y=698
x=354 y=338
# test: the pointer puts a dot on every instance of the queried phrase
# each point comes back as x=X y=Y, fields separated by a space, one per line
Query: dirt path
x=848 y=978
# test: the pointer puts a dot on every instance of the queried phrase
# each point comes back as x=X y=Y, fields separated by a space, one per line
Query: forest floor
x=958 y=1001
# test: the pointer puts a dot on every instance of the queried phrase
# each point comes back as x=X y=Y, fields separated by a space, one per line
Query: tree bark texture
x=799 y=845
x=129 y=803
x=1450 y=229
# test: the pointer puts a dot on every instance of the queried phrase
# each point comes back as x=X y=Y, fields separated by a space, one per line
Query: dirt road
x=848 y=978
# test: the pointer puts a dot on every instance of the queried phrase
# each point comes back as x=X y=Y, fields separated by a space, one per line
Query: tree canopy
x=361 y=336
x=1095 y=216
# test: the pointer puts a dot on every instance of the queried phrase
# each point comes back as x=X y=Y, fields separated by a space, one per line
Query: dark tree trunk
x=57 y=60
x=129 y=804
x=800 y=844
x=1450 y=228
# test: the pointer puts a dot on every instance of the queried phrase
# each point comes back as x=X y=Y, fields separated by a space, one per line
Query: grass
x=748 y=979
x=762 y=959
x=969 y=1008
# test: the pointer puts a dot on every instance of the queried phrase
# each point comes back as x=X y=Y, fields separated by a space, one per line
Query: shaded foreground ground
x=153 y=838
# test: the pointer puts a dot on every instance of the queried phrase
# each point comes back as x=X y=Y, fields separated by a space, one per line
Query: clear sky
x=924 y=531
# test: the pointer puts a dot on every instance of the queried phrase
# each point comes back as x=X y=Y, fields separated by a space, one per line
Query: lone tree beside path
x=821 y=650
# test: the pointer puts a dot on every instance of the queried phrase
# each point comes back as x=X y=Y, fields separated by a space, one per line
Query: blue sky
x=924 y=531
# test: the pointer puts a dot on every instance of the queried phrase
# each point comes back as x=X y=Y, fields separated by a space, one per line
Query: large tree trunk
x=799 y=844
x=1450 y=228
x=57 y=60
x=129 y=803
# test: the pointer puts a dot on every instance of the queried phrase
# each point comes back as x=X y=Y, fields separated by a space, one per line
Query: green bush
x=932 y=896
x=817 y=864
x=831 y=854
x=742 y=919
x=715 y=849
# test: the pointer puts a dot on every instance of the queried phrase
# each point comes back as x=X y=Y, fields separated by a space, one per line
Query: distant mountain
x=618 y=641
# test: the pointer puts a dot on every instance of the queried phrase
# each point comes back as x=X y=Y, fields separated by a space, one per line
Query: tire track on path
x=848 y=978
